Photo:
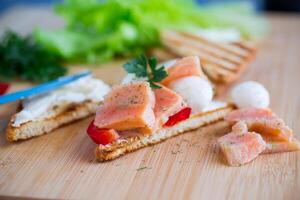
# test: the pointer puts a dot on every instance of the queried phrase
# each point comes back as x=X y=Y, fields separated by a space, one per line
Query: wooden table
x=62 y=165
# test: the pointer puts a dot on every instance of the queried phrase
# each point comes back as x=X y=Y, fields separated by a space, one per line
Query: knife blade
x=42 y=88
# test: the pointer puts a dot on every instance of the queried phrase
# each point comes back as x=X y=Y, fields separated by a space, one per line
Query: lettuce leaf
x=100 y=30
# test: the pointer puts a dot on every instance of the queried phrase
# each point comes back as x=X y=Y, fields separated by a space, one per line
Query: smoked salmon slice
x=278 y=136
x=240 y=146
x=128 y=107
x=187 y=66
x=284 y=146
x=167 y=103
x=245 y=114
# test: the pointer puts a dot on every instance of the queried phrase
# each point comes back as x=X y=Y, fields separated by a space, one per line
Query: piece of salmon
x=278 y=136
x=262 y=121
x=167 y=103
x=240 y=146
x=187 y=66
x=246 y=114
x=240 y=127
x=128 y=107
x=282 y=146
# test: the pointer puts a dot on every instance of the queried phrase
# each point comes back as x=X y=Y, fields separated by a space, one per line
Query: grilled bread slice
x=222 y=62
x=60 y=116
x=124 y=146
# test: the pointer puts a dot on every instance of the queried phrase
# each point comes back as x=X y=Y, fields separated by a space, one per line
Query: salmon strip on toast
x=139 y=103
x=278 y=136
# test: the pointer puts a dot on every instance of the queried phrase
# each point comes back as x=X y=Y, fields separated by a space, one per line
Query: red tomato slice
x=178 y=117
x=101 y=136
x=3 y=88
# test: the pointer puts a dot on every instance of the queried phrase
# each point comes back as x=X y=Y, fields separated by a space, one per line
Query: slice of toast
x=63 y=115
x=124 y=146
x=222 y=62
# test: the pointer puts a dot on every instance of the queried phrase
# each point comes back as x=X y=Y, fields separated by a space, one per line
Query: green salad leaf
x=100 y=30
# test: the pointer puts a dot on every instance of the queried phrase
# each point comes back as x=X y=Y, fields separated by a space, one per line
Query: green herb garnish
x=142 y=168
x=144 y=67
x=23 y=59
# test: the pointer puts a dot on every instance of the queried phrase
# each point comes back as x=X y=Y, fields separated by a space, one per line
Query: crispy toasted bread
x=69 y=113
x=222 y=62
x=124 y=146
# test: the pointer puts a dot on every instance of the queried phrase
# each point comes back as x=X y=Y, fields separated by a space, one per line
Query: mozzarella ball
x=250 y=94
x=196 y=91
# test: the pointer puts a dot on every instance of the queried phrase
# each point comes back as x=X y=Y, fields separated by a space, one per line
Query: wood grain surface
x=61 y=164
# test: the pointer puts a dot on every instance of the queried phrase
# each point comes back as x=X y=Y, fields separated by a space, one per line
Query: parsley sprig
x=144 y=67
x=22 y=58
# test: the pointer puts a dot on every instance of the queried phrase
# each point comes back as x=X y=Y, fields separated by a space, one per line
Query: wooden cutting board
x=62 y=165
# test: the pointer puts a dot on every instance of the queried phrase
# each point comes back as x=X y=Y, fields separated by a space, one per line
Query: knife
x=42 y=88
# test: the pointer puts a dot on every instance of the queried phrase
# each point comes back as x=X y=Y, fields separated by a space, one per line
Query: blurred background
x=48 y=33
x=261 y=5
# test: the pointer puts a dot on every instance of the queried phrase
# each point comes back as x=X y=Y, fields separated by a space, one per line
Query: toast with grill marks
x=222 y=62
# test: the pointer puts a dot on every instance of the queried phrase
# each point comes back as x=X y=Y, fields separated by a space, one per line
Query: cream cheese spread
x=213 y=105
x=41 y=106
